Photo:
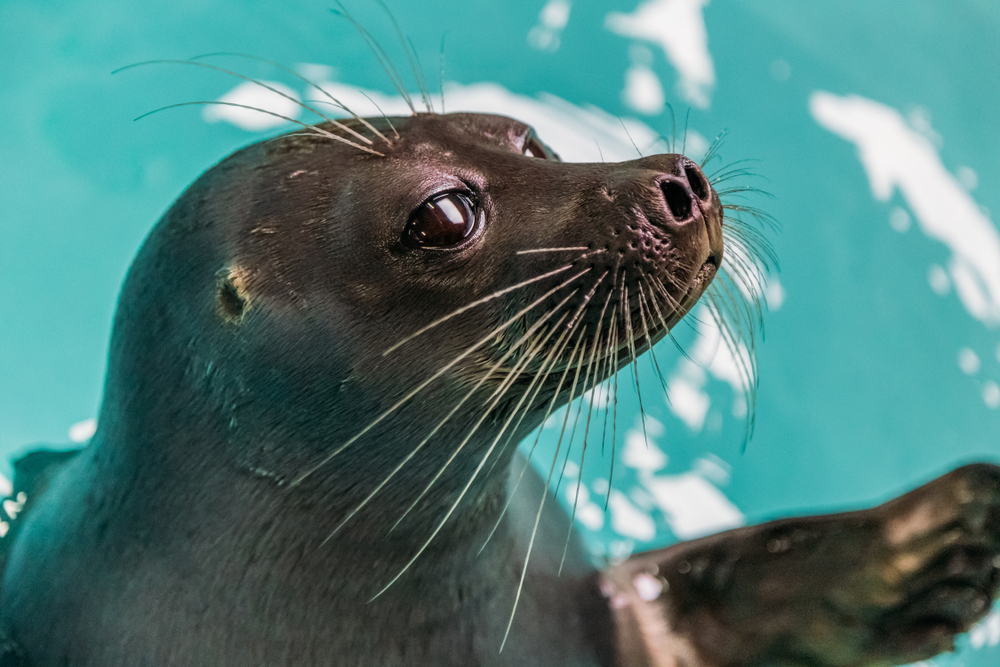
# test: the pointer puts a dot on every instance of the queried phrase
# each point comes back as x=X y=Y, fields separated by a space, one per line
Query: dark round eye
x=443 y=222
x=533 y=148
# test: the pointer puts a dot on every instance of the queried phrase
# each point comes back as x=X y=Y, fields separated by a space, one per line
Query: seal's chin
x=657 y=331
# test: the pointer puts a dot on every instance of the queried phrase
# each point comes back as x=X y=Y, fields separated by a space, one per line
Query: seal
x=322 y=359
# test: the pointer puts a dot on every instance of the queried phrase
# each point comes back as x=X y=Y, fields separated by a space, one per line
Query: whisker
x=586 y=300
x=309 y=82
x=630 y=339
x=381 y=113
x=746 y=365
x=761 y=216
x=657 y=285
x=477 y=302
x=486 y=412
x=312 y=129
x=545 y=494
x=441 y=61
x=713 y=149
x=561 y=342
x=595 y=362
x=458 y=499
x=379 y=53
x=629 y=135
x=684 y=139
x=256 y=82
x=614 y=419
x=534 y=250
x=611 y=369
x=586 y=378
x=649 y=340
x=569 y=402
x=497 y=393
x=411 y=56
x=673 y=128
x=732 y=171
x=482 y=341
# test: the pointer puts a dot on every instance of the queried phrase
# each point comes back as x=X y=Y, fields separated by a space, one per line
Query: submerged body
x=323 y=359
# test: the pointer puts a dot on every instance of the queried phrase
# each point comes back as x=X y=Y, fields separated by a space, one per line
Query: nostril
x=678 y=199
x=699 y=186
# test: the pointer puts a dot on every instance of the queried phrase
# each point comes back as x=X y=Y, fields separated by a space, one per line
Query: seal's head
x=309 y=298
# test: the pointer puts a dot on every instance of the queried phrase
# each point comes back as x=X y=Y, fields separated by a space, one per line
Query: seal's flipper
x=883 y=586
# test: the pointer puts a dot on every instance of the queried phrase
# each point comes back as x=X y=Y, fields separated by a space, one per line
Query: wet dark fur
x=220 y=515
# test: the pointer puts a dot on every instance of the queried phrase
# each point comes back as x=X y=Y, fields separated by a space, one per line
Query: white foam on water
x=250 y=94
x=774 y=293
x=546 y=34
x=714 y=469
x=628 y=520
x=686 y=399
x=991 y=395
x=986 y=632
x=600 y=396
x=938 y=279
x=899 y=219
x=83 y=431
x=968 y=361
x=692 y=505
x=780 y=70
x=678 y=27
x=642 y=453
x=643 y=91
x=588 y=513
x=901 y=155
x=968 y=177
x=6 y=488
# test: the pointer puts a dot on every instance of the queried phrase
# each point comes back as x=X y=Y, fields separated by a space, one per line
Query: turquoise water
x=881 y=362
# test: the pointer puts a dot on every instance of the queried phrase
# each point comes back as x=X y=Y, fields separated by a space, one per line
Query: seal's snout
x=685 y=194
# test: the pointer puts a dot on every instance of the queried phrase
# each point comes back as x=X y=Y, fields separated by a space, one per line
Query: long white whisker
x=477 y=302
x=548 y=482
x=472 y=348
x=537 y=383
x=498 y=392
x=486 y=412
x=643 y=306
x=312 y=129
x=534 y=250
x=457 y=500
x=630 y=340
x=263 y=85
x=309 y=82
x=595 y=362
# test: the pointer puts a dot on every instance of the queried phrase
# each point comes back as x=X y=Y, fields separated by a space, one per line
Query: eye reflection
x=443 y=222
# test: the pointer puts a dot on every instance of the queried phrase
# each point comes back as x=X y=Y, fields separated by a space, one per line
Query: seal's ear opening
x=231 y=295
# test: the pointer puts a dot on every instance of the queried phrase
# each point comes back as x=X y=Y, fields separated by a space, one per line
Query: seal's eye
x=533 y=148
x=443 y=222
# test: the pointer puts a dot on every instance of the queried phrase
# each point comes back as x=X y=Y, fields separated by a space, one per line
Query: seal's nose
x=685 y=193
